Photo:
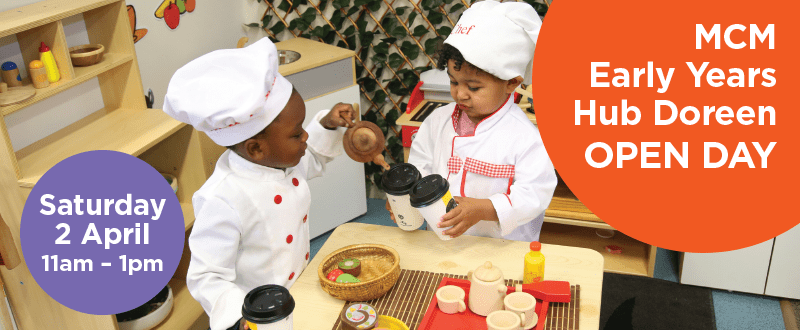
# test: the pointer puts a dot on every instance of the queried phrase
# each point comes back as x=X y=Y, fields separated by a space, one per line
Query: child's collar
x=485 y=123
x=254 y=171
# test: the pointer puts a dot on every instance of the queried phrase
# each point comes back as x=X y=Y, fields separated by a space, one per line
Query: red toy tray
x=436 y=319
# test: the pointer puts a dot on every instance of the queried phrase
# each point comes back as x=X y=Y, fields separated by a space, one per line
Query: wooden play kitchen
x=567 y=220
x=124 y=124
x=427 y=263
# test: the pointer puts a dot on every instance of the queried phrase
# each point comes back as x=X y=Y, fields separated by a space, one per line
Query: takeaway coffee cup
x=431 y=196
x=397 y=183
x=268 y=307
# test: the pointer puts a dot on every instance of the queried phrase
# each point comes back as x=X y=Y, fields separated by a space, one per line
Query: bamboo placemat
x=408 y=301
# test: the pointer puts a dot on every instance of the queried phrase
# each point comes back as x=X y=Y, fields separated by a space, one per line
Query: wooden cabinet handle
x=8 y=249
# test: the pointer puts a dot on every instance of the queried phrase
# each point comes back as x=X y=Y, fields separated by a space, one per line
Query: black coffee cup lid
x=267 y=304
x=428 y=190
x=399 y=179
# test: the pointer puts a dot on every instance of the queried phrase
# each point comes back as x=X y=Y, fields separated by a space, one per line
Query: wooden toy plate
x=16 y=95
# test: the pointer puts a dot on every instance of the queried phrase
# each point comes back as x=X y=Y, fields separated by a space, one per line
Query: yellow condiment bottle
x=534 y=264
x=49 y=63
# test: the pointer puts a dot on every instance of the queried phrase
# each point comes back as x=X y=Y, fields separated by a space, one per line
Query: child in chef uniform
x=483 y=143
x=251 y=225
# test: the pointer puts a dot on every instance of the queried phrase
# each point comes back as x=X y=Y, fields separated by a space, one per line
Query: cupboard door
x=743 y=270
x=784 y=270
x=340 y=194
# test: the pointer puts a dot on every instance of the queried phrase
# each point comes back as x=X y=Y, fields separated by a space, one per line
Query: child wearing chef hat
x=483 y=143
x=251 y=224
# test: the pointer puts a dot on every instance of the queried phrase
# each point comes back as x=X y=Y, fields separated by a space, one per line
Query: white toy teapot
x=486 y=290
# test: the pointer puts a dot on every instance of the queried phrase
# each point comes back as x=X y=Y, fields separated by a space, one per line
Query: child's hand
x=243 y=325
x=389 y=208
x=468 y=212
x=341 y=115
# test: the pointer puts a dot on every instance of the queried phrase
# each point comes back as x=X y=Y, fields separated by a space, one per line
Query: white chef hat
x=230 y=94
x=498 y=38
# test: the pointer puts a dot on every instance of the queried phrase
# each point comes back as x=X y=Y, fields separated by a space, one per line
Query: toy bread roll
x=359 y=317
x=350 y=266
x=347 y=278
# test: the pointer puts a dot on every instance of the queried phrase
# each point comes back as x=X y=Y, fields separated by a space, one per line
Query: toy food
x=347 y=278
x=334 y=274
x=359 y=317
x=350 y=266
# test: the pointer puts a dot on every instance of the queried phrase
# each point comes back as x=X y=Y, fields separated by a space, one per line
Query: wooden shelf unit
x=82 y=74
x=569 y=222
x=124 y=124
x=131 y=131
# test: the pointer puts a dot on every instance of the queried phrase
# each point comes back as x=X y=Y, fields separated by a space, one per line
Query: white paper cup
x=432 y=214
x=431 y=196
x=285 y=324
x=268 y=307
x=408 y=218
x=398 y=182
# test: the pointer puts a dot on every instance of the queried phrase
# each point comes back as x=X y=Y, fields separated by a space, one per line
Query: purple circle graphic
x=107 y=259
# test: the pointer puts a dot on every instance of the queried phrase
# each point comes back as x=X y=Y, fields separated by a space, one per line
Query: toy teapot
x=364 y=142
x=487 y=289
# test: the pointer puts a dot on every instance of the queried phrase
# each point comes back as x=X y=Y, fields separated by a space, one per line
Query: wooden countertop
x=312 y=54
x=422 y=250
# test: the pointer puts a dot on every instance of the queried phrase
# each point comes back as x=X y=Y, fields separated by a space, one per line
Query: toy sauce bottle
x=49 y=63
x=534 y=264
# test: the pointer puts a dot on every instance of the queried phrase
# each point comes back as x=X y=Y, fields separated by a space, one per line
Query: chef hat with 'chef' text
x=230 y=94
x=498 y=38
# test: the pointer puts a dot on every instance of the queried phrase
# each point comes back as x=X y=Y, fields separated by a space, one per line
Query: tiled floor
x=734 y=311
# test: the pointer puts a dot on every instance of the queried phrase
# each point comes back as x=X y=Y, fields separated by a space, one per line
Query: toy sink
x=287 y=56
x=316 y=68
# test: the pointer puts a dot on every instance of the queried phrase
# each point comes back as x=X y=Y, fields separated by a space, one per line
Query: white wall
x=213 y=25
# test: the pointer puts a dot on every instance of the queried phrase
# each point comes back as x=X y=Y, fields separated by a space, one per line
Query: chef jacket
x=251 y=226
x=504 y=161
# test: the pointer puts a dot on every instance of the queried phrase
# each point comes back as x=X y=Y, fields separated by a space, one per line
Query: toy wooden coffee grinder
x=365 y=142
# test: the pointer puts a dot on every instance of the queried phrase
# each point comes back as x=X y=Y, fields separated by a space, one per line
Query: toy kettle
x=487 y=289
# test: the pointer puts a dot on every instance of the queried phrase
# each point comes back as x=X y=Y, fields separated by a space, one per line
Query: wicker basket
x=380 y=269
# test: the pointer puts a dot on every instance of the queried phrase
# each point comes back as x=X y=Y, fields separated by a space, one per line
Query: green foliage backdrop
x=394 y=41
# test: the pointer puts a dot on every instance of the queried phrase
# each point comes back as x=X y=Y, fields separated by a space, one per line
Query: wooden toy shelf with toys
x=124 y=124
